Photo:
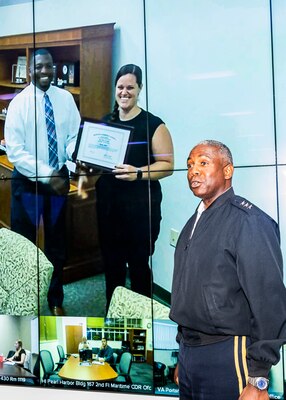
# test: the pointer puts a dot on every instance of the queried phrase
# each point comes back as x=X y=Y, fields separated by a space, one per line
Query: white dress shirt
x=26 y=133
x=200 y=210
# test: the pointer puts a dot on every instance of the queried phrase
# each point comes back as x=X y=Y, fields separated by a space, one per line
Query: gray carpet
x=141 y=373
x=85 y=298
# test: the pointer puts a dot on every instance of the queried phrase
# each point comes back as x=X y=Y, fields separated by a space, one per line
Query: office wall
x=214 y=80
x=10 y=332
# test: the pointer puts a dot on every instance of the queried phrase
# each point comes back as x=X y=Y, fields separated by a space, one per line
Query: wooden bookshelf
x=137 y=337
x=91 y=46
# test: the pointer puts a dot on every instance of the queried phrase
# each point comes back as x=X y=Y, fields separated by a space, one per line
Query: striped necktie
x=52 y=136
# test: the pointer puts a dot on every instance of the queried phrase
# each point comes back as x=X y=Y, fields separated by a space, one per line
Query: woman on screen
x=20 y=355
x=83 y=345
x=129 y=198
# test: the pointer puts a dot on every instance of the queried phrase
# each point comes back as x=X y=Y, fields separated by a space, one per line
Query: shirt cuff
x=258 y=368
x=45 y=175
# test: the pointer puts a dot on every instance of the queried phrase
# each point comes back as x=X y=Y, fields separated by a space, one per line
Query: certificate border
x=126 y=128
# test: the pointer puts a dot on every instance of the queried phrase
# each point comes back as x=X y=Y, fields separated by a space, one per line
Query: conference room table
x=7 y=369
x=73 y=369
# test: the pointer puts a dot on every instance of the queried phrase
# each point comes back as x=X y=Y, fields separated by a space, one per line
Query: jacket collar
x=229 y=193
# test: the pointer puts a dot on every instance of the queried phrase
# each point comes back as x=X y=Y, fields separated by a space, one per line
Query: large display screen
x=87 y=250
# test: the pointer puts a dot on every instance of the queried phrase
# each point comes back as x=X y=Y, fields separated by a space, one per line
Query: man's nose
x=194 y=171
x=45 y=69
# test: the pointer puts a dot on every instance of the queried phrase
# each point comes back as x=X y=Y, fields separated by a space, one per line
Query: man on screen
x=40 y=133
x=105 y=351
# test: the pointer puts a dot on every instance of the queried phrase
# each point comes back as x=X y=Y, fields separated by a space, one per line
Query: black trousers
x=34 y=202
x=213 y=372
x=127 y=234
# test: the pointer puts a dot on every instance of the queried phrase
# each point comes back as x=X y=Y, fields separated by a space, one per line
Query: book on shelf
x=19 y=70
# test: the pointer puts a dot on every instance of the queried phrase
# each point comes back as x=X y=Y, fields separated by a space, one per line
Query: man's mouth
x=195 y=184
x=44 y=78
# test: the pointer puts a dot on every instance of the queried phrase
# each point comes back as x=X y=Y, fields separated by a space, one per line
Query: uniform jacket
x=228 y=278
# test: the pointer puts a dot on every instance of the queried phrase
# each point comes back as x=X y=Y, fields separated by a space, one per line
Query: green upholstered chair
x=48 y=365
x=62 y=356
x=123 y=368
x=28 y=361
x=129 y=304
x=25 y=274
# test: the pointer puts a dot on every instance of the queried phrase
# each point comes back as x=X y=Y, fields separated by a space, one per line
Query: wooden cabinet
x=91 y=47
x=137 y=339
x=83 y=251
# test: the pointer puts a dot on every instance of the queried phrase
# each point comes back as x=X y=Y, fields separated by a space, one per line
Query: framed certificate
x=102 y=144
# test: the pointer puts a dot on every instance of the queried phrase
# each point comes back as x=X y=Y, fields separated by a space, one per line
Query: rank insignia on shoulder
x=246 y=204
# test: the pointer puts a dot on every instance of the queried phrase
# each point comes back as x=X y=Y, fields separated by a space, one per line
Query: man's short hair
x=38 y=52
x=222 y=148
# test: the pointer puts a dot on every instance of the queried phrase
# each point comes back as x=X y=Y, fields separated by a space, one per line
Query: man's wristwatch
x=259 y=382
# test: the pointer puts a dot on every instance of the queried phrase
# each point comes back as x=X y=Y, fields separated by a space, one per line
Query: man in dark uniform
x=228 y=296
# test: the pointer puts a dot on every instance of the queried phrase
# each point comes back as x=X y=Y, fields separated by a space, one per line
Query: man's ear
x=228 y=171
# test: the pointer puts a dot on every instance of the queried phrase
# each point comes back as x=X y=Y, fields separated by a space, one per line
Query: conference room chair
x=88 y=355
x=126 y=303
x=28 y=361
x=36 y=371
x=48 y=365
x=114 y=358
x=124 y=368
x=114 y=363
x=25 y=274
x=36 y=368
x=125 y=347
x=159 y=373
x=10 y=353
x=62 y=356
x=95 y=350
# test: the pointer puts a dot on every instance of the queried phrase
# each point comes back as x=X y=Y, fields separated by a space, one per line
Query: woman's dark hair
x=130 y=69
x=124 y=70
x=20 y=343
